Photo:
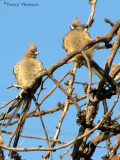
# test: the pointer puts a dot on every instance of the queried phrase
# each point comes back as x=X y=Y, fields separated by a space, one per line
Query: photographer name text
x=21 y=4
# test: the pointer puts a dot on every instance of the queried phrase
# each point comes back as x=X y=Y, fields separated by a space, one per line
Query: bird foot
x=69 y=61
x=98 y=36
x=43 y=70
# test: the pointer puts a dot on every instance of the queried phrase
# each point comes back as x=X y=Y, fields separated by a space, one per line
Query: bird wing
x=40 y=66
x=75 y=39
x=16 y=72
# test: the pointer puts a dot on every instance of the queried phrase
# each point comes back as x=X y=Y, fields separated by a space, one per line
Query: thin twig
x=50 y=92
x=90 y=79
x=66 y=107
x=14 y=85
x=35 y=101
x=41 y=87
x=67 y=94
x=112 y=53
x=114 y=147
x=67 y=144
x=35 y=137
x=108 y=21
x=5 y=104
x=61 y=156
x=90 y=19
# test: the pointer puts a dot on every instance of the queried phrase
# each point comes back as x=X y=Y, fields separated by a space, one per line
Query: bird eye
x=32 y=51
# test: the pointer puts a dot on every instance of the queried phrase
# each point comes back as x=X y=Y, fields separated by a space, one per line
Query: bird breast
x=75 y=39
x=28 y=69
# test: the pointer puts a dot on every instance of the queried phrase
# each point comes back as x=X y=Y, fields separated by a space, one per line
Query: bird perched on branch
x=25 y=72
x=74 y=40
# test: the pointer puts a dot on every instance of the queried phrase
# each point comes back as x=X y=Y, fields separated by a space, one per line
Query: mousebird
x=74 y=39
x=25 y=72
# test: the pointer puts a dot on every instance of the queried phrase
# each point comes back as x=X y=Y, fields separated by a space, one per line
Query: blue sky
x=46 y=25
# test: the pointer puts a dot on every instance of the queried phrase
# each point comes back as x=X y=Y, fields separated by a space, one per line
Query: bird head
x=31 y=51
x=76 y=24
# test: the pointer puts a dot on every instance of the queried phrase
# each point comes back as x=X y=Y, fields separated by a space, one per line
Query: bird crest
x=31 y=45
x=76 y=23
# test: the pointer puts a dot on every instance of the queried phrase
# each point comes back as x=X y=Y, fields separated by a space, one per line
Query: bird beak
x=71 y=27
x=36 y=53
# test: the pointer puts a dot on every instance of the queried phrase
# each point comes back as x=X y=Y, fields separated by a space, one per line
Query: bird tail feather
x=25 y=109
x=15 y=105
x=101 y=73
